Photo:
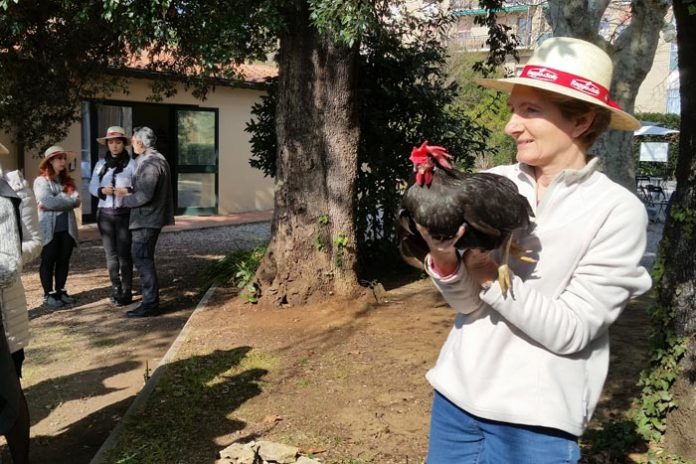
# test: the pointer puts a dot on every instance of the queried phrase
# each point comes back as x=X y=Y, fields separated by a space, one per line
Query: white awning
x=651 y=129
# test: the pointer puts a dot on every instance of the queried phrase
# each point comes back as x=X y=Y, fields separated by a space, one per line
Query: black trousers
x=9 y=386
x=55 y=262
x=144 y=243
x=116 y=238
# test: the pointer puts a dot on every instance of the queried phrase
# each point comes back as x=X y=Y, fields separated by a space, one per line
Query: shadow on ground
x=192 y=405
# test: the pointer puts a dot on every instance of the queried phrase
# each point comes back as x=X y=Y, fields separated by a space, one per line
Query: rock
x=306 y=460
x=277 y=452
x=238 y=453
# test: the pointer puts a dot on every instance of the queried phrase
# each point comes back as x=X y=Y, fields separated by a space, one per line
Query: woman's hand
x=107 y=190
x=443 y=253
x=121 y=192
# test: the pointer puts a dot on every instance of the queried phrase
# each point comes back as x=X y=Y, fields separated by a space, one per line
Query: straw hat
x=574 y=68
x=4 y=150
x=52 y=151
x=114 y=132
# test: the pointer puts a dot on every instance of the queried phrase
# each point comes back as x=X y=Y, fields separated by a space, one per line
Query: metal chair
x=657 y=200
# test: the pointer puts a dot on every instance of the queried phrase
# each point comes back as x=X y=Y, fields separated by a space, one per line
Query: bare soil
x=346 y=378
x=347 y=381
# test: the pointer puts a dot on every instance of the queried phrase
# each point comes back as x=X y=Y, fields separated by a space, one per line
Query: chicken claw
x=520 y=254
x=504 y=279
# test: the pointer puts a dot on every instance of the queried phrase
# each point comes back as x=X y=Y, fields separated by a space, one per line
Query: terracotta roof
x=254 y=73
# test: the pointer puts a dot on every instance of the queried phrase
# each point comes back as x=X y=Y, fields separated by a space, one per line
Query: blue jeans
x=457 y=437
x=144 y=243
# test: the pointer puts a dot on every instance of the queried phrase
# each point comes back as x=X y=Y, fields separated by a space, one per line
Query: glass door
x=197 y=162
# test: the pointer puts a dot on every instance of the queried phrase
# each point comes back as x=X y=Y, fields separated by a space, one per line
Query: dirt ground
x=346 y=379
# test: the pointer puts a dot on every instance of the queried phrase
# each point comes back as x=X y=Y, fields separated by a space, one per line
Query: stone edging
x=142 y=396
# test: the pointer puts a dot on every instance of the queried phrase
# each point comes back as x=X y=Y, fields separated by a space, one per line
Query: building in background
x=204 y=142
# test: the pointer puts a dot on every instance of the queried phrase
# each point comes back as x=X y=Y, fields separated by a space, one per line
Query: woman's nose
x=514 y=125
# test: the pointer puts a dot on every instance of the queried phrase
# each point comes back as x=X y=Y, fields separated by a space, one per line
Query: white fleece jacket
x=13 y=298
x=541 y=355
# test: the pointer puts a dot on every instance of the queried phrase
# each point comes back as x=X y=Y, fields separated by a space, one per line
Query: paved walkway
x=89 y=232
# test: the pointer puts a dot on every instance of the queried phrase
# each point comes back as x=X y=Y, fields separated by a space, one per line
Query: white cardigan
x=12 y=299
x=541 y=355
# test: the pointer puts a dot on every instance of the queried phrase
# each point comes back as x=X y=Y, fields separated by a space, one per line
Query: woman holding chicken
x=520 y=374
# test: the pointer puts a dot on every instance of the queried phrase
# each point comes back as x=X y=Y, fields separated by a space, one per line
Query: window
x=197 y=161
x=673 y=56
x=673 y=101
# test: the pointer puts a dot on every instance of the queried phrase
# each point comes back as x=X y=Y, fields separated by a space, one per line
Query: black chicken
x=442 y=199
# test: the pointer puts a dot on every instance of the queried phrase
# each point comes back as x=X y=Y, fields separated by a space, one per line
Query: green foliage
x=670 y=121
x=610 y=443
x=686 y=218
x=340 y=243
x=485 y=106
x=667 y=350
x=237 y=268
x=263 y=141
x=53 y=55
x=346 y=20
x=500 y=41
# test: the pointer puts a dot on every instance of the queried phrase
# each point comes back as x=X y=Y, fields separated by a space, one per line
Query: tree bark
x=678 y=285
x=632 y=54
x=312 y=254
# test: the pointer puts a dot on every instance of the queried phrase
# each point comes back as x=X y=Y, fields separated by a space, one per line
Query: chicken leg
x=504 y=270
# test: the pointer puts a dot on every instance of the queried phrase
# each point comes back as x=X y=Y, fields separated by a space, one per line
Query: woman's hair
x=62 y=178
x=572 y=109
x=146 y=136
x=122 y=139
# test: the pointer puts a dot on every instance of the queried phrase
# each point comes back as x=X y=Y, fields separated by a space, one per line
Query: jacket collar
x=568 y=176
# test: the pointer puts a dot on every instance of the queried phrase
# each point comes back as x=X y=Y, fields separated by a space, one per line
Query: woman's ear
x=583 y=123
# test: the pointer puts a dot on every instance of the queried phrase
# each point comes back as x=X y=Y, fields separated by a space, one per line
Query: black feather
x=490 y=205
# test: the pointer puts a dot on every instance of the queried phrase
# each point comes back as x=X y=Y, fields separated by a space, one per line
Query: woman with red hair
x=57 y=197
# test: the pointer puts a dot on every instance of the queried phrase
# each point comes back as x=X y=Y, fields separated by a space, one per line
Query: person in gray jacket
x=152 y=207
x=57 y=197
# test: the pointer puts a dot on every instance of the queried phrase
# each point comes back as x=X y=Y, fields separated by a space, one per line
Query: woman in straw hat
x=519 y=377
x=57 y=198
x=116 y=170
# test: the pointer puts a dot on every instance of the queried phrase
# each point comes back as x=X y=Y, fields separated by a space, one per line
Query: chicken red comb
x=439 y=154
x=422 y=157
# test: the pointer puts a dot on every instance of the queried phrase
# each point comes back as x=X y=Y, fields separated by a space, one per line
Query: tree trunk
x=678 y=284
x=632 y=53
x=312 y=253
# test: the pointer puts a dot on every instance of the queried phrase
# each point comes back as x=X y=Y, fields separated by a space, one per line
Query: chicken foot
x=504 y=270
